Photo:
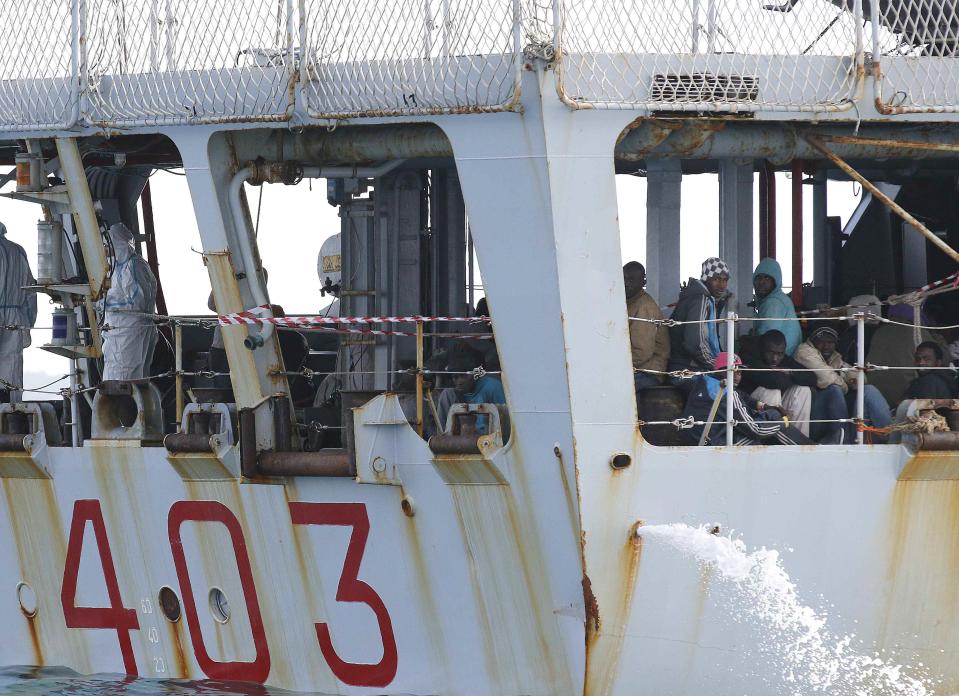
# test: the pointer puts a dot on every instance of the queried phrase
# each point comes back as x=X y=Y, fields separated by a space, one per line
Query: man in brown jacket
x=649 y=343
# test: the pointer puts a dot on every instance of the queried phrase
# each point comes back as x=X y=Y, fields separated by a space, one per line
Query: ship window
x=219 y=606
x=169 y=604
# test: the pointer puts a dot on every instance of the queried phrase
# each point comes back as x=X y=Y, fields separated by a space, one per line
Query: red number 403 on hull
x=123 y=620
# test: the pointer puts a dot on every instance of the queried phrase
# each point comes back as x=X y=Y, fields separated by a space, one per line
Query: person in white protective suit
x=18 y=308
x=349 y=357
x=128 y=345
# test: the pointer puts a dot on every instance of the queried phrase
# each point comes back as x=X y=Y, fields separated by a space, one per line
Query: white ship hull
x=480 y=590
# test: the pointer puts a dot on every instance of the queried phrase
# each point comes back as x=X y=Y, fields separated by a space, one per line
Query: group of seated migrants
x=791 y=386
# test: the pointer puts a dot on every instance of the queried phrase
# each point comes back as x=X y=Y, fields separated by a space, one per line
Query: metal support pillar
x=736 y=225
x=797 y=232
x=447 y=246
x=359 y=292
x=400 y=217
x=820 y=230
x=664 y=180
x=209 y=165
x=767 y=211
x=542 y=209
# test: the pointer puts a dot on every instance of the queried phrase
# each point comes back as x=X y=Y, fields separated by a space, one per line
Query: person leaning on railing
x=835 y=395
x=470 y=386
x=756 y=423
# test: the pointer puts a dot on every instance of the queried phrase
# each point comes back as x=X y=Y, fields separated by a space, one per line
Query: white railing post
x=154 y=35
x=305 y=54
x=427 y=30
x=860 y=39
x=710 y=26
x=730 y=374
x=875 y=15
x=860 y=373
x=170 y=35
x=445 y=34
x=78 y=61
x=558 y=19
x=290 y=61
x=694 y=34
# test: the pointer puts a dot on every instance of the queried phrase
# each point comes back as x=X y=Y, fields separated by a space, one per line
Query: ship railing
x=860 y=368
x=173 y=62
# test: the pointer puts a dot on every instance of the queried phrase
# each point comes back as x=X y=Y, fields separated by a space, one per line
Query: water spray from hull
x=795 y=637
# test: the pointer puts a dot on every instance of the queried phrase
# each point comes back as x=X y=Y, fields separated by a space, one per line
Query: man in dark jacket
x=779 y=380
x=932 y=383
x=694 y=346
x=756 y=424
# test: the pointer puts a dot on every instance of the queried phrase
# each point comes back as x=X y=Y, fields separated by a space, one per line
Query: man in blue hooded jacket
x=775 y=309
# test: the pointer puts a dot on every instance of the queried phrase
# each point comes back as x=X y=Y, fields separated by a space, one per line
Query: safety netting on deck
x=709 y=55
x=188 y=61
x=168 y=62
x=38 y=83
x=915 y=44
x=384 y=57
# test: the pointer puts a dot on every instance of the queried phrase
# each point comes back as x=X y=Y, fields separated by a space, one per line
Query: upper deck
x=144 y=64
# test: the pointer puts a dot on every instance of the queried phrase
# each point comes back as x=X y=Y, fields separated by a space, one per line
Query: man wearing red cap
x=755 y=424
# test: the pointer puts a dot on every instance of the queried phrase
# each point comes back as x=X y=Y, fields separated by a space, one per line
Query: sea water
x=33 y=681
x=794 y=641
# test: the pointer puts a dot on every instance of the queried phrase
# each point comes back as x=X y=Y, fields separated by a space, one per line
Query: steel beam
x=651 y=139
x=884 y=199
x=820 y=230
x=736 y=225
x=209 y=166
x=663 y=199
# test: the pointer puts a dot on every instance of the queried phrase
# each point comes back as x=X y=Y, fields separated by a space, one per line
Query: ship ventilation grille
x=704 y=87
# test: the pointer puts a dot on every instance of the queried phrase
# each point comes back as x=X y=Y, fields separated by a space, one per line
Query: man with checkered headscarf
x=695 y=345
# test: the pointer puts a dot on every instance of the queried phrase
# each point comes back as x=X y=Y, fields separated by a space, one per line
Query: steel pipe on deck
x=654 y=138
x=189 y=443
x=328 y=463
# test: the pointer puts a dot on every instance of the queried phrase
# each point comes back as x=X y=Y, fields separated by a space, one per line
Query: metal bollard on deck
x=730 y=373
x=860 y=374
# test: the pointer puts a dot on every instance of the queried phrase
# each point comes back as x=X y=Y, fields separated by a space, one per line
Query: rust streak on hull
x=604 y=646
x=923 y=559
x=179 y=654
x=35 y=641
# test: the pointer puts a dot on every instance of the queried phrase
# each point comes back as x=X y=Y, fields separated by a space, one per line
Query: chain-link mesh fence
x=916 y=42
x=379 y=57
x=710 y=55
x=132 y=62
x=37 y=64
x=184 y=61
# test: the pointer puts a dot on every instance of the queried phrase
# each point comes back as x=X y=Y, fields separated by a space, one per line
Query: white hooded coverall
x=128 y=345
x=17 y=308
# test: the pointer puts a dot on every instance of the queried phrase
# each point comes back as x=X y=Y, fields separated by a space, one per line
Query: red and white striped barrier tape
x=383 y=332
x=954 y=279
x=253 y=317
